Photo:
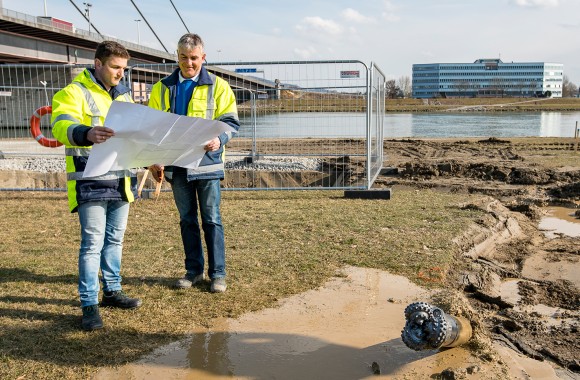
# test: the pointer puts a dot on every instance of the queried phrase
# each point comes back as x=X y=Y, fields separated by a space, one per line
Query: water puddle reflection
x=335 y=332
x=560 y=221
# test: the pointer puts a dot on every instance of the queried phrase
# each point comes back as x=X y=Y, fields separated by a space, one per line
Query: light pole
x=88 y=13
x=138 y=32
x=45 y=9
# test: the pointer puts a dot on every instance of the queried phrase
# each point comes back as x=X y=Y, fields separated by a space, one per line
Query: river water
x=538 y=124
x=396 y=125
x=428 y=125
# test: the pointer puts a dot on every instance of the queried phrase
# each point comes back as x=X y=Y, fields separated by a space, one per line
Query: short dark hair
x=108 y=49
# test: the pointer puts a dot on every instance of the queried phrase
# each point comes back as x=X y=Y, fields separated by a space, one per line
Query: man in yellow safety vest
x=102 y=203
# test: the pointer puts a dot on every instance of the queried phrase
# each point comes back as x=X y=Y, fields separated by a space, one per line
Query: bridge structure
x=27 y=39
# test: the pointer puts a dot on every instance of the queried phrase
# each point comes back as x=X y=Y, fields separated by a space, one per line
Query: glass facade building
x=488 y=78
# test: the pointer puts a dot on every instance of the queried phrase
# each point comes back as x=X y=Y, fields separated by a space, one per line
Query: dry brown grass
x=278 y=244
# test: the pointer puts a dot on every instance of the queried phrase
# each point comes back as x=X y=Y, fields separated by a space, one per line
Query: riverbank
x=482 y=105
x=314 y=102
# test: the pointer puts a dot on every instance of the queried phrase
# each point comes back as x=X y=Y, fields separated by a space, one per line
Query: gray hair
x=190 y=41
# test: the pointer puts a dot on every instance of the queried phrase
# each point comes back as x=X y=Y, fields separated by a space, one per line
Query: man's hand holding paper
x=144 y=136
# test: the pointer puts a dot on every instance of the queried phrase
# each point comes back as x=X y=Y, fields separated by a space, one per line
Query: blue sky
x=394 y=34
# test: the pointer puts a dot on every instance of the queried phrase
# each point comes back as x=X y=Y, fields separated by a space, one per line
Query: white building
x=488 y=77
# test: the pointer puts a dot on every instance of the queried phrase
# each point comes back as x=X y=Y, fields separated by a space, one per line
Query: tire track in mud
x=500 y=247
x=510 y=240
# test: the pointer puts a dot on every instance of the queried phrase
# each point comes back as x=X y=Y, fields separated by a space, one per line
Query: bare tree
x=569 y=89
x=391 y=89
x=462 y=85
x=531 y=87
x=497 y=87
x=518 y=86
x=404 y=84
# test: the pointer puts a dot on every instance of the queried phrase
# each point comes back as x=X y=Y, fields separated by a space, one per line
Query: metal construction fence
x=304 y=124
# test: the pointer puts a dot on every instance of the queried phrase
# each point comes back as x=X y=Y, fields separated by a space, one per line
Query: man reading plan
x=192 y=91
x=102 y=202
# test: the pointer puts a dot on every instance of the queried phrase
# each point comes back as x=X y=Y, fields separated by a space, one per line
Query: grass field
x=278 y=244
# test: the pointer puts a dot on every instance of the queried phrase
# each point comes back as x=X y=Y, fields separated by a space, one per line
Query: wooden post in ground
x=576 y=133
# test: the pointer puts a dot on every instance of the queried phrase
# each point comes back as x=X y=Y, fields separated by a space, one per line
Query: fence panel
x=304 y=124
x=24 y=89
x=375 y=136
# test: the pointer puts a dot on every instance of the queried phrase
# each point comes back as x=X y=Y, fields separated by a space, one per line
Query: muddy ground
x=523 y=284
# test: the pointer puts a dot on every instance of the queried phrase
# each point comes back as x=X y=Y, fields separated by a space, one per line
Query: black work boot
x=91 y=318
x=119 y=299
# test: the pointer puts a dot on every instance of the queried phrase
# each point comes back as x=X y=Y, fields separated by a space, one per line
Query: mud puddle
x=528 y=294
x=560 y=221
x=554 y=263
x=349 y=329
x=551 y=316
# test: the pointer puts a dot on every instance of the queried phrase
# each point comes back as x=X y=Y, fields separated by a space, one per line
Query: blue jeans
x=103 y=225
x=207 y=192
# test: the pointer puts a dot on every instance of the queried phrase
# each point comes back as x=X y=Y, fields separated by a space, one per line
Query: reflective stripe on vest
x=77 y=152
x=84 y=152
x=162 y=97
x=90 y=100
x=210 y=98
x=231 y=115
x=70 y=130
x=64 y=117
x=95 y=112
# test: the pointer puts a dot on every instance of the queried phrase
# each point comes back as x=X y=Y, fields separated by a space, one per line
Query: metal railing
x=304 y=124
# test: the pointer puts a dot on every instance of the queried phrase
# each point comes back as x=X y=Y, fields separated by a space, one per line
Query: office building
x=488 y=78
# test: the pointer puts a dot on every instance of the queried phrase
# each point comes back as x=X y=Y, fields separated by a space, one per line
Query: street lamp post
x=88 y=13
x=138 y=32
x=45 y=9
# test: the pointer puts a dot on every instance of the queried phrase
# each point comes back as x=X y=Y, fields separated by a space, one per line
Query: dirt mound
x=540 y=170
x=560 y=294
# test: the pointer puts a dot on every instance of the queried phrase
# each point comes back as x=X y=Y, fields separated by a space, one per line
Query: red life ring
x=35 y=128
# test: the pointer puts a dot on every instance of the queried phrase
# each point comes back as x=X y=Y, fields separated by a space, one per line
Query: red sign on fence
x=350 y=74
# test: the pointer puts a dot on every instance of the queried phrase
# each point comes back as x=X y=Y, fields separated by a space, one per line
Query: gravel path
x=37 y=164
x=56 y=165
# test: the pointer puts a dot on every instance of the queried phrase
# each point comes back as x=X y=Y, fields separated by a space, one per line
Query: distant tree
x=404 y=83
x=518 y=87
x=497 y=87
x=531 y=87
x=462 y=86
x=391 y=89
x=569 y=89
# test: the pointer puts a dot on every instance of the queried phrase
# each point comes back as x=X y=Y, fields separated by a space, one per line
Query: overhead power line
x=176 y=11
x=146 y=22
x=85 y=16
